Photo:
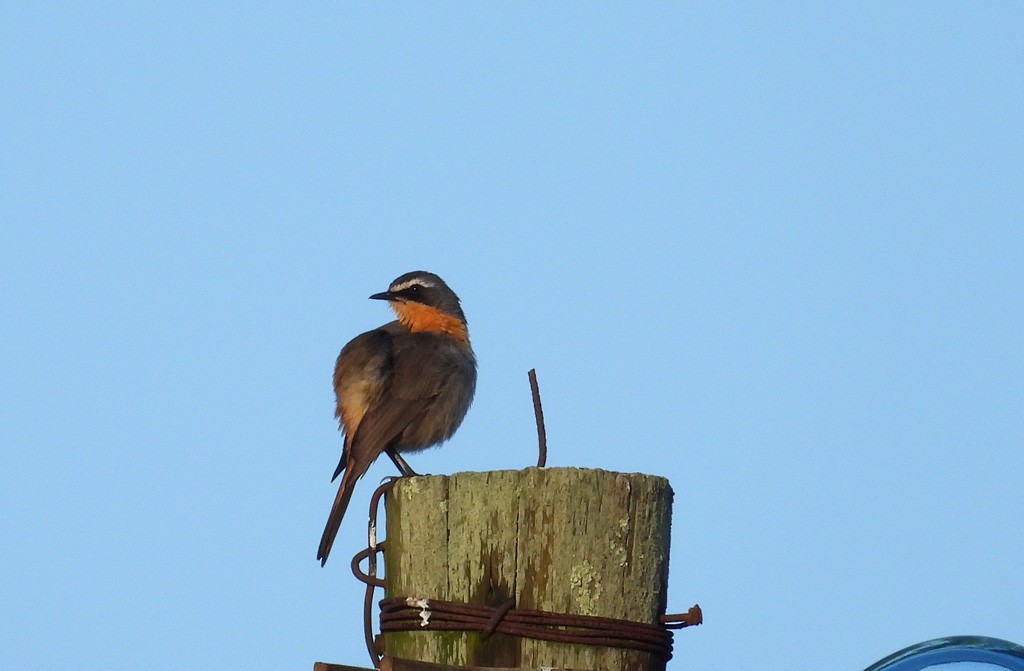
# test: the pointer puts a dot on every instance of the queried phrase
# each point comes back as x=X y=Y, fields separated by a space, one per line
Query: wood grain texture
x=569 y=540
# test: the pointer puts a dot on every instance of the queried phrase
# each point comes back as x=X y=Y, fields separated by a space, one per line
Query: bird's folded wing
x=413 y=385
x=361 y=373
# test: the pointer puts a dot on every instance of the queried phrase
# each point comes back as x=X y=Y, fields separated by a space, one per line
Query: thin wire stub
x=690 y=618
x=538 y=413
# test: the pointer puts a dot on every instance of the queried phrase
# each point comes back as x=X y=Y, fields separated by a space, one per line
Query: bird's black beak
x=384 y=296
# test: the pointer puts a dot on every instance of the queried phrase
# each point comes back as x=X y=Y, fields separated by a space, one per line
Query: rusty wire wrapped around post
x=419 y=614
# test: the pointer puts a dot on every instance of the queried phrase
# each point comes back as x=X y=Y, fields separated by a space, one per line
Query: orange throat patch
x=420 y=317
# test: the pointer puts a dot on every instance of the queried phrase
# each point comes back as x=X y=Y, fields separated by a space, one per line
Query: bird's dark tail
x=345 y=489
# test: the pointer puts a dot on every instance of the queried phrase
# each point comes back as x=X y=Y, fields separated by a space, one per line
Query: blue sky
x=773 y=254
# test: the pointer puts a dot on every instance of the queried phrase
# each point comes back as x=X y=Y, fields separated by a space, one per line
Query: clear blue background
x=775 y=254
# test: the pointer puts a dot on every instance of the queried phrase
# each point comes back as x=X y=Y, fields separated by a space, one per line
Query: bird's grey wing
x=423 y=367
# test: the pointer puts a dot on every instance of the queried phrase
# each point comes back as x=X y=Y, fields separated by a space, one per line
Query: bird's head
x=423 y=302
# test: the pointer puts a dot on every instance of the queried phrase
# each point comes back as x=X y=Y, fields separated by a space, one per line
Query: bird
x=401 y=387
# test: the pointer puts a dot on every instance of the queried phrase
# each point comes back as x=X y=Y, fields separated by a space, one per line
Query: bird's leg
x=405 y=469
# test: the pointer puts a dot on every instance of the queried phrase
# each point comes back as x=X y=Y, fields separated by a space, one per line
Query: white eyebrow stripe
x=414 y=282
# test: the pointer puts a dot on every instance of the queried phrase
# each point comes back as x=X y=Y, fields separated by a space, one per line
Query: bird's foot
x=400 y=463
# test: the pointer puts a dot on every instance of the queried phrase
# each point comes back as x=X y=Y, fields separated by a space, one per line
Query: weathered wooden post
x=560 y=540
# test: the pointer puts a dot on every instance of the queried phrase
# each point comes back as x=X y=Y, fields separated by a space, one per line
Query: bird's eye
x=414 y=289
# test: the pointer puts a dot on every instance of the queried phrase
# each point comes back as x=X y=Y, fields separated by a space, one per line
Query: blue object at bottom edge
x=954 y=649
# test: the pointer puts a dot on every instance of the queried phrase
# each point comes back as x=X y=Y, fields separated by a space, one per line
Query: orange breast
x=420 y=317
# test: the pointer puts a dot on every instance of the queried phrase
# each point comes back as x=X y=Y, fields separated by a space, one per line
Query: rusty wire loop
x=367 y=578
x=538 y=413
x=370 y=578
